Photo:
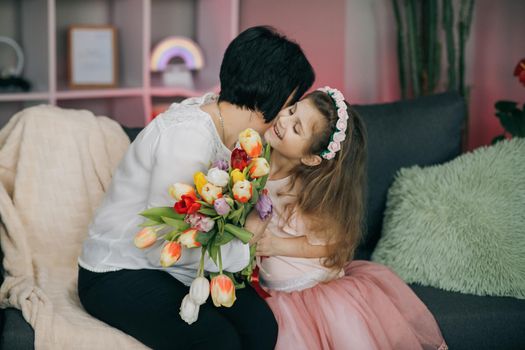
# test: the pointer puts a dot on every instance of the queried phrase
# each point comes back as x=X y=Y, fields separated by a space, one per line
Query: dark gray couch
x=424 y=131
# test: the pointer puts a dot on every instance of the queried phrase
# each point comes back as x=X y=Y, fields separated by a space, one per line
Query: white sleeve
x=182 y=150
x=129 y=187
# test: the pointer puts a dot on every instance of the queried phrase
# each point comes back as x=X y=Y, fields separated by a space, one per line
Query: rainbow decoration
x=176 y=46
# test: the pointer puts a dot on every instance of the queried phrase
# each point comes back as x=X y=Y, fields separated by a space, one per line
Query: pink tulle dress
x=363 y=306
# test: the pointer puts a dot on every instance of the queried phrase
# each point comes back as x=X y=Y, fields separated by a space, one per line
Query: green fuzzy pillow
x=460 y=226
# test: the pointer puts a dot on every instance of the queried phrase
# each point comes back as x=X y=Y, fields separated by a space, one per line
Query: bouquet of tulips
x=208 y=214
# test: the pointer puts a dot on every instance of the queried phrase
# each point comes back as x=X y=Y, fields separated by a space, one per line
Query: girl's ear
x=311 y=160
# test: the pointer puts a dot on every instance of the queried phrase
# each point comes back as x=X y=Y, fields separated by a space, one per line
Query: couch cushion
x=131 y=132
x=470 y=322
x=17 y=333
x=422 y=131
x=460 y=226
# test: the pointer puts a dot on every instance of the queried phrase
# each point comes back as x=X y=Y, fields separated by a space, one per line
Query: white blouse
x=175 y=145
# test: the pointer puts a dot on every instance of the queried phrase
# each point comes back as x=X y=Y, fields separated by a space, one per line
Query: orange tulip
x=259 y=167
x=188 y=238
x=170 y=254
x=222 y=291
x=251 y=142
x=242 y=191
x=210 y=193
x=145 y=237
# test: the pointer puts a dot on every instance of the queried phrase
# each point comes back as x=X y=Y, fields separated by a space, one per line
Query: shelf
x=41 y=26
x=125 y=15
x=24 y=96
x=99 y=93
x=26 y=22
x=176 y=91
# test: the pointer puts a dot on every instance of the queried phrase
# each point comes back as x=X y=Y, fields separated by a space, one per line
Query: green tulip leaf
x=255 y=195
x=172 y=236
x=225 y=238
x=204 y=204
x=179 y=225
x=238 y=232
x=208 y=212
x=158 y=212
x=204 y=237
x=150 y=222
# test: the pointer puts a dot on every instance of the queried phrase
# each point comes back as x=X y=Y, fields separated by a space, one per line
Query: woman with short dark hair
x=262 y=72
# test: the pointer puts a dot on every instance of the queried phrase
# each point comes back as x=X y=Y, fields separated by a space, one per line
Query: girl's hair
x=332 y=194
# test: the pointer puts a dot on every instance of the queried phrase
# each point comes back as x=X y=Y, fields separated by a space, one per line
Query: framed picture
x=92 y=57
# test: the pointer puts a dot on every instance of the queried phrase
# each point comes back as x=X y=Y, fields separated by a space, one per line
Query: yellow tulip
x=200 y=180
x=237 y=175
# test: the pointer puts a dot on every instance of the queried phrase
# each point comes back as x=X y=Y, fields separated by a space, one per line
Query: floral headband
x=339 y=134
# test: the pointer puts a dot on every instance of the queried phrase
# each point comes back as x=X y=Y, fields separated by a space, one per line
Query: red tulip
x=239 y=159
x=187 y=205
x=519 y=71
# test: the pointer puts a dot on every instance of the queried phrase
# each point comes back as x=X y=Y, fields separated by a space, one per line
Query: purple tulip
x=221 y=206
x=221 y=164
x=264 y=205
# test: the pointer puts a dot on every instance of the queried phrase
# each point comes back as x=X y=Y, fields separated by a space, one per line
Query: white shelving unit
x=40 y=27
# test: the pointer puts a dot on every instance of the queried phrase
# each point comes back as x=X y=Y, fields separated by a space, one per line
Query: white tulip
x=189 y=311
x=200 y=290
x=218 y=177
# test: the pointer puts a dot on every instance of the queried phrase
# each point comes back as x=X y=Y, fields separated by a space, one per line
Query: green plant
x=511 y=117
x=419 y=47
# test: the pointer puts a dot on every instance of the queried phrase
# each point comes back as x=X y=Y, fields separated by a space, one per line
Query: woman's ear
x=311 y=160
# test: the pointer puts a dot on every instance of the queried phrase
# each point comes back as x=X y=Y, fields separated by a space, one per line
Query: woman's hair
x=332 y=194
x=261 y=69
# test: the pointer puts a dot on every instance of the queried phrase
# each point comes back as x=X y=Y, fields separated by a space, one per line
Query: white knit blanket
x=55 y=166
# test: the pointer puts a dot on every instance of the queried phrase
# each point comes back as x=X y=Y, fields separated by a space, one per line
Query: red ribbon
x=256 y=285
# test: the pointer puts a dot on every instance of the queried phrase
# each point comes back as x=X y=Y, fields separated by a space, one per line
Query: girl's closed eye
x=292 y=109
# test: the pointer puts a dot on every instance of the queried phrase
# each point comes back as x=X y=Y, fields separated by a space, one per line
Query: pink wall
x=318 y=26
x=352 y=46
x=496 y=45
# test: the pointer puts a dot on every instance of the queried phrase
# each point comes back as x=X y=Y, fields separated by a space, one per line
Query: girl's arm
x=297 y=247
x=255 y=225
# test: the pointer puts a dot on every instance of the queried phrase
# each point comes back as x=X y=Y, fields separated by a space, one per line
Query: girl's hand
x=255 y=225
x=267 y=245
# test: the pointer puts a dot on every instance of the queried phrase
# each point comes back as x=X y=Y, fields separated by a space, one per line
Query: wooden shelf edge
x=24 y=96
x=99 y=93
x=164 y=91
